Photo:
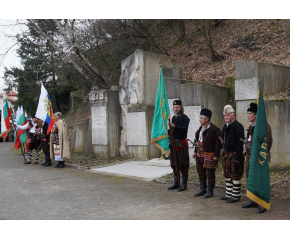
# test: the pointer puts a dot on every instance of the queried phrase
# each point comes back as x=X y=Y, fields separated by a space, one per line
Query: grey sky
x=8 y=30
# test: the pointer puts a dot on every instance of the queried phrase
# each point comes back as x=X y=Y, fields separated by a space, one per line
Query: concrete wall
x=79 y=137
x=206 y=96
x=273 y=78
x=139 y=135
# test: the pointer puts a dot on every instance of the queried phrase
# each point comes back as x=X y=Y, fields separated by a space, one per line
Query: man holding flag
x=159 y=134
x=258 y=147
x=33 y=138
x=45 y=113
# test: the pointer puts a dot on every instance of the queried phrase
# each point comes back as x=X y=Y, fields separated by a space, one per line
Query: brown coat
x=63 y=141
x=211 y=142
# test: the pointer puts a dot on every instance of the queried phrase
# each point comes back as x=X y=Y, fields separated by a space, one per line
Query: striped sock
x=237 y=189
x=36 y=155
x=29 y=155
x=229 y=187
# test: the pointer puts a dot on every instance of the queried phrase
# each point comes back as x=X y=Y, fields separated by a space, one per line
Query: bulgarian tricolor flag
x=5 y=126
x=20 y=136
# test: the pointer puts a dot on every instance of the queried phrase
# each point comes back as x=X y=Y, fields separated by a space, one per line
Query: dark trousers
x=182 y=159
x=233 y=170
x=35 y=143
x=204 y=173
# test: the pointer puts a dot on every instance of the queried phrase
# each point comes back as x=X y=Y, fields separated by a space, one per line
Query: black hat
x=177 y=102
x=206 y=112
x=252 y=108
x=33 y=115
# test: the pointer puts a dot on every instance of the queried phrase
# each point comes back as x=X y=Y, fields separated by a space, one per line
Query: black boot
x=45 y=162
x=202 y=190
x=262 y=210
x=58 y=163
x=183 y=184
x=175 y=184
x=61 y=164
x=48 y=160
x=209 y=192
x=250 y=204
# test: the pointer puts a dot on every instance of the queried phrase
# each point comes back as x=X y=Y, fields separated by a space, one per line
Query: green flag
x=159 y=134
x=258 y=187
x=21 y=121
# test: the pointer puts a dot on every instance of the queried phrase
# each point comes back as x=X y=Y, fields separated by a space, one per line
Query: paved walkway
x=36 y=192
x=135 y=169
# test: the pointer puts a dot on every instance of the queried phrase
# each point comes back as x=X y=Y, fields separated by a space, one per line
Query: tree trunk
x=207 y=34
x=181 y=29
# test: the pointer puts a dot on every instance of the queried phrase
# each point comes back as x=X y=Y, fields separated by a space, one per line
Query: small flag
x=159 y=134
x=258 y=187
x=5 y=126
x=44 y=109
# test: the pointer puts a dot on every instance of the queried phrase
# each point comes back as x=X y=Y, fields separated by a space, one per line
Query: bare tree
x=205 y=27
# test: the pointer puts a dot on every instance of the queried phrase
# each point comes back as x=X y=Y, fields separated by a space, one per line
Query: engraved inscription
x=136 y=129
x=99 y=125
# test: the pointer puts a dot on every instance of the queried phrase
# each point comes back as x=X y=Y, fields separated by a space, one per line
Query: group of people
x=209 y=140
x=54 y=145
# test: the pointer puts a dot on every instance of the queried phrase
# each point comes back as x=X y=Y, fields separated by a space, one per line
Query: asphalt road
x=37 y=192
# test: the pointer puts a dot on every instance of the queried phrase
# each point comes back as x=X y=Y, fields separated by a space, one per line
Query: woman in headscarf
x=59 y=146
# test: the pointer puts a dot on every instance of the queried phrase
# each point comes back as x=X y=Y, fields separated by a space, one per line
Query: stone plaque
x=99 y=125
x=136 y=129
x=193 y=114
x=246 y=88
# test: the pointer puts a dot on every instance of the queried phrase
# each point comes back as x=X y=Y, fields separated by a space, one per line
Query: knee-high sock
x=229 y=187
x=29 y=155
x=36 y=155
x=237 y=189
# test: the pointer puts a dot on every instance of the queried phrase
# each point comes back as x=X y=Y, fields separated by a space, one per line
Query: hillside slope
x=248 y=40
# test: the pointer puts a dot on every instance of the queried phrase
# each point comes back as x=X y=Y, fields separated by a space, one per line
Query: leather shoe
x=250 y=204
x=231 y=200
x=28 y=162
x=224 y=198
x=261 y=210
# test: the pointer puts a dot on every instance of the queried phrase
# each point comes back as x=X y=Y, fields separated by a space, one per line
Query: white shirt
x=32 y=130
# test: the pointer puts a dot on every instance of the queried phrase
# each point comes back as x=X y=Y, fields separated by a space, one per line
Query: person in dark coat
x=252 y=115
x=233 y=160
x=45 y=145
x=207 y=154
x=179 y=126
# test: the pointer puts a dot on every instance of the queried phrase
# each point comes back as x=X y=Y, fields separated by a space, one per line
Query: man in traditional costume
x=207 y=154
x=59 y=146
x=233 y=160
x=252 y=115
x=45 y=144
x=34 y=141
x=179 y=126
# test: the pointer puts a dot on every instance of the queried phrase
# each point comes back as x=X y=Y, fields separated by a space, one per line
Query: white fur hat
x=228 y=109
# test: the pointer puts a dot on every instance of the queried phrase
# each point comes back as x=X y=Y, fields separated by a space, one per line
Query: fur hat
x=206 y=112
x=253 y=107
x=177 y=102
x=228 y=109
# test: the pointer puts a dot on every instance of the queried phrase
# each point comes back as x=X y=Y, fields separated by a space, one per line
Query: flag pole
x=18 y=139
x=174 y=155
